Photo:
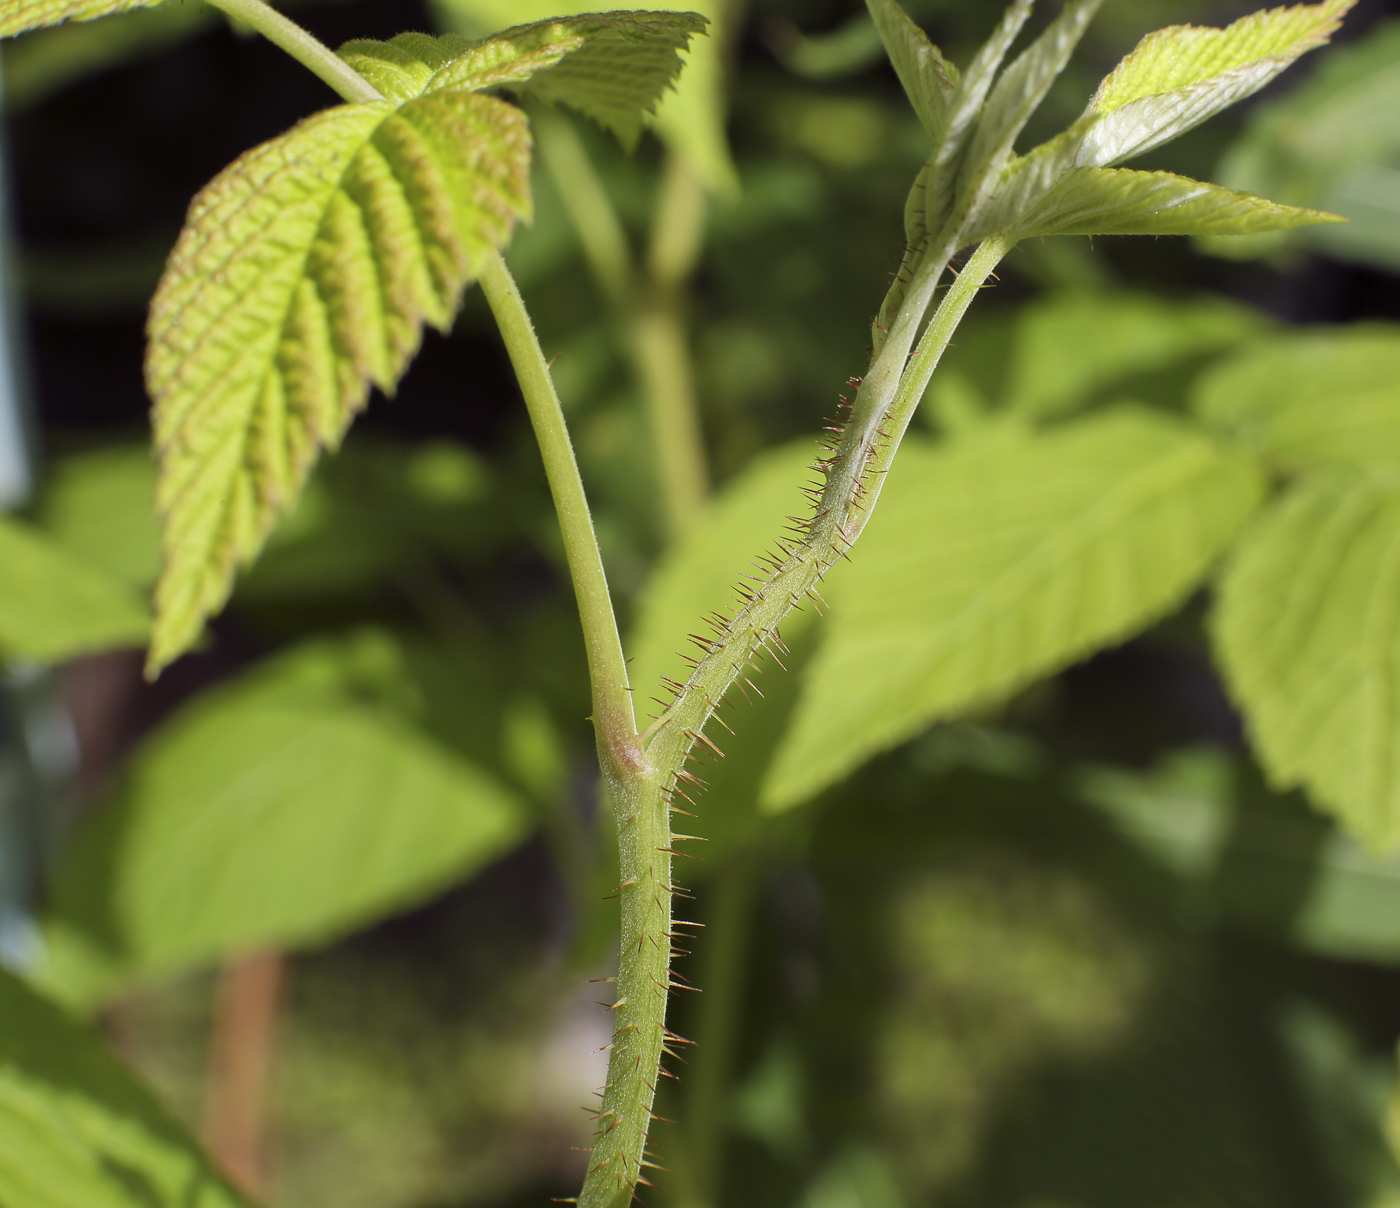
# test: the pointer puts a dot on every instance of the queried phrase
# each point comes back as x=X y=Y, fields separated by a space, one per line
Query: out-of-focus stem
x=724 y=949
x=650 y=305
x=241 y=1051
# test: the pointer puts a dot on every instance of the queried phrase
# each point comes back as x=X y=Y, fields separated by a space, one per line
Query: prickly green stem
x=881 y=412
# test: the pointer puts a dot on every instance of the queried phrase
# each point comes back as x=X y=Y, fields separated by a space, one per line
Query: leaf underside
x=1308 y=632
x=1000 y=559
x=307 y=269
x=304 y=274
x=20 y=16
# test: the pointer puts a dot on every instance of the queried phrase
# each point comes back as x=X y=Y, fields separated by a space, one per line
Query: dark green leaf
x=284 y=809
x=77 y=1131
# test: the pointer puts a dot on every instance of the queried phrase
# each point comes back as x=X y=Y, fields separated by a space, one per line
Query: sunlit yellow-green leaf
x=304 y=274
x=613 y=67
x=17 y=16
x=1178 y=77
x=1315 y=396
x=999 y=558
x=1308 y=631
x=691 y=117
x=76 y=1128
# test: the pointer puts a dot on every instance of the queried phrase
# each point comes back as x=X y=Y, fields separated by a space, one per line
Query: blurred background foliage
x=1069 y=951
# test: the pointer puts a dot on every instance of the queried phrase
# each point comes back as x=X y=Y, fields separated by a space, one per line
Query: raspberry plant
x=303 y=278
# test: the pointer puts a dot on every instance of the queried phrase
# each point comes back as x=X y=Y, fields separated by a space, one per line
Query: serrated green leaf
x=289 y=807
x=691 y=117
x=1022 y=87
x=1001 y=558
x=18 y=16
x=1117 y=201
x=77 y=1130
x=1178 y=77
x=1313 y=397
x=928 y=78
x=1331 y=143
x=304 y=274
x=1308 y=632
x=1069 y=346
x=613 y=67
x=54 y=606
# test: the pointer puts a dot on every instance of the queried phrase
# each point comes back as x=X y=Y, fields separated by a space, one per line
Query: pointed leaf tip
x=1178 y=77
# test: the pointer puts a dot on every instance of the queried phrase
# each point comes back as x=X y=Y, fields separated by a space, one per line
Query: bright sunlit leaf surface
x=1068 y=346
x=77 y=1131
x=306 y=270
x=16 y=16
x=284 y=809
x=690 y=117
x=1308 y=630
x=55 y=605
x=1313 y=397
x=1001 y=558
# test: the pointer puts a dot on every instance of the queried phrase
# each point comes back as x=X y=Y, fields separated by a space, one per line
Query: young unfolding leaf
x=307 y=269
x=1117 y=201
x=1178 y=77
x=285 y=808
x=18 y=16
x=77 y=1130
x=974 y=188
x=928 y=78
x=1308 y=630
x=999 y=559
x=1312 y=397
x=55 y=606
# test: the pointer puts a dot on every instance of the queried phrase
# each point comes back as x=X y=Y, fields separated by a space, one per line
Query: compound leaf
x=1178 y=77
x=77 y=1130
x=1001 y=558
x=18 y=16
x=304 y=274
x=928 y=78
x=55 y=606
x=1313 y=397
x=1308 y=631
x=286 y=808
